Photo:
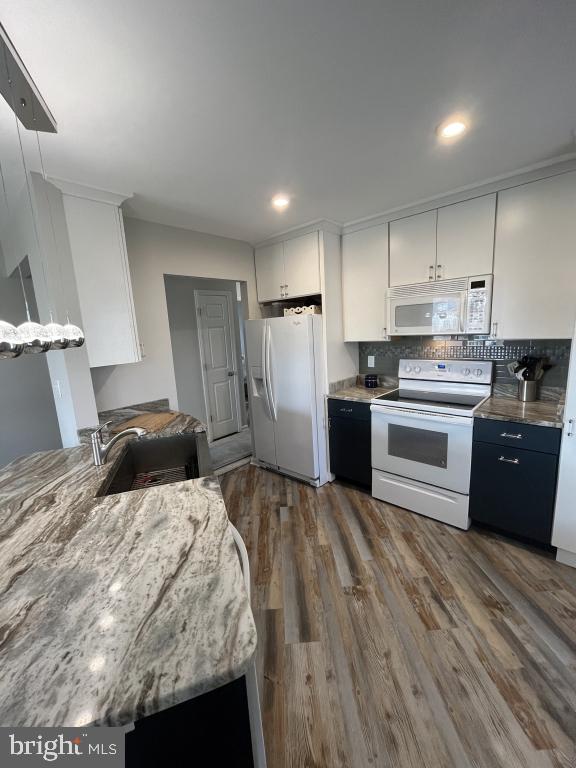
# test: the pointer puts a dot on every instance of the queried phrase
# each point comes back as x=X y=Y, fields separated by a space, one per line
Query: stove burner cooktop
x=444 y=399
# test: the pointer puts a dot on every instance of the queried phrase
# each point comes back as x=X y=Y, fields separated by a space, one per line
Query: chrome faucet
x=100 y=449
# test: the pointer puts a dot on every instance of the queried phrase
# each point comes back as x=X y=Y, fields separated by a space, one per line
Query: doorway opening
x=206 y=318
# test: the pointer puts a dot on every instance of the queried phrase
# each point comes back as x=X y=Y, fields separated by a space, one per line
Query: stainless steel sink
x=148 y=462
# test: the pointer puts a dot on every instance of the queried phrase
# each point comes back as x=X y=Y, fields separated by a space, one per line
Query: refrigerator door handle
x=267 y=374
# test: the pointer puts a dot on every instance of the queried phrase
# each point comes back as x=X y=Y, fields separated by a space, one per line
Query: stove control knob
x=417 y=369
x=465 y=371
x=408 y=368
x=478 y=372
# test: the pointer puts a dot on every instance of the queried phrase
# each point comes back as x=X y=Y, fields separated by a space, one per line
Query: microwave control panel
x=478 y=305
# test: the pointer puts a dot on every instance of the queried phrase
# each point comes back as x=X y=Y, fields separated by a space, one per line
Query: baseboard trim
x=234 y=465
x=565 y=557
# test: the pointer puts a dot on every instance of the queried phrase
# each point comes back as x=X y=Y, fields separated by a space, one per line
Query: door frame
x=199 y=324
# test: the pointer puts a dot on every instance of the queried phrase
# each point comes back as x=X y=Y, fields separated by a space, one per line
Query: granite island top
x=359 y=393
x=543 y=413
x=116 y=607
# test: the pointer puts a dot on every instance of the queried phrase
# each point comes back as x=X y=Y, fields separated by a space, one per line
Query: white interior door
x=218 y=356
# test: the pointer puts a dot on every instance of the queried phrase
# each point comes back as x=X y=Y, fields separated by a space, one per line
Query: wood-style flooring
x=387 y=639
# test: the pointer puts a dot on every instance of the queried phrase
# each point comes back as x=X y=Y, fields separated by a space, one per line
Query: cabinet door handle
x=570 y=430
x=509 y=461
x=438 y=271
x=511 y=435
x=494 y=330
x=431 y=272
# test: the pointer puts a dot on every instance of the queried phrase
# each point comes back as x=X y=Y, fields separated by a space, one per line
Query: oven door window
x=422 y=445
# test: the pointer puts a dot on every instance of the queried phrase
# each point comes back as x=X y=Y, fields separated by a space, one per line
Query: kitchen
x=383 y=577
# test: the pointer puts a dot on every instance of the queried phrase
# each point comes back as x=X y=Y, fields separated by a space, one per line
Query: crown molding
x=543 y=170
x=326 y=225
x=73 y=189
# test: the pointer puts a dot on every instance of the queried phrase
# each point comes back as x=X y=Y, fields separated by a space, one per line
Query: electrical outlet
x=371 y=361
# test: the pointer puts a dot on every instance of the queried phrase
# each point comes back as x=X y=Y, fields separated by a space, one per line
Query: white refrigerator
x=286 y=393
x=564 y=530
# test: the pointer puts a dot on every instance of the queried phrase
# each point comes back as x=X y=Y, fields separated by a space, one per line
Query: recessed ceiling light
x=451 y=129
x=280 y=202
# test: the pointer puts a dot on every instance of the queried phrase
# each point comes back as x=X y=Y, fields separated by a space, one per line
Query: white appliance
x=564 y=528
x=462 y=305
x=422 y=437
x=286 y=391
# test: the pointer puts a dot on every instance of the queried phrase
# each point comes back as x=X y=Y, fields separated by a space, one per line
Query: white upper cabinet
x=535 y=260
x=270 y=272
x=413 y=249
x=289 y=269
x=465 y=238
x=364 y=283
x=98 y=246
x=302 y=265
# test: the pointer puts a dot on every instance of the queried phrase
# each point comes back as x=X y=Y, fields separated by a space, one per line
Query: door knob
x=231 y=373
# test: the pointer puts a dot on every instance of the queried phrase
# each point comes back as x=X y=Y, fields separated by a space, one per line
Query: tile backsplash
x=553 y=384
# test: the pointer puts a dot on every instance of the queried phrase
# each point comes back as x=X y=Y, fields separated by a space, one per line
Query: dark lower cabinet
x=350 y=441
x=512 y=488
x=209 y=730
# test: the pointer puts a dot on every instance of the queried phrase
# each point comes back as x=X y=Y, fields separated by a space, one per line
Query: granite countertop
x=359 y=393
x=116 y=607
x=543 y=413
x=181 y=422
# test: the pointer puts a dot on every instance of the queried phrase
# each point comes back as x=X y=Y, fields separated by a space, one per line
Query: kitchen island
x=116 y=607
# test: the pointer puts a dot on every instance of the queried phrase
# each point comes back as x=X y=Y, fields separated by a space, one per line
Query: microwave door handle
x=463 y=311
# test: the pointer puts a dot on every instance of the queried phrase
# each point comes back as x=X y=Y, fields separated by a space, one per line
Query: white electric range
x=422 y=437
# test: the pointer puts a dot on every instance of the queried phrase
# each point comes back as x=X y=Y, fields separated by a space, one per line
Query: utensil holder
x=527 y=391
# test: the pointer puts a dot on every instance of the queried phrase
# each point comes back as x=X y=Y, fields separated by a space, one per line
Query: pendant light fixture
x=10 y=342
x=31 y=337
x=67 y=335
x=58 y=338
x=74 y=334
x=35 y=337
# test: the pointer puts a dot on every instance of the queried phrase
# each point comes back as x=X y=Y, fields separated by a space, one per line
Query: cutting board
x=153 y=422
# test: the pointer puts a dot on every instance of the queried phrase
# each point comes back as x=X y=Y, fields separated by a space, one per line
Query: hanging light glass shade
x=74 y=335
x=10 y=341
x=35 y=338
x=59 y=339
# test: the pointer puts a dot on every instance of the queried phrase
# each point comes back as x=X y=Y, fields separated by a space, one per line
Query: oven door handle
x=409 y=413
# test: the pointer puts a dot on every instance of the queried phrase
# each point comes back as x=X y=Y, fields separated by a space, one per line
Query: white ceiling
x=205 y=108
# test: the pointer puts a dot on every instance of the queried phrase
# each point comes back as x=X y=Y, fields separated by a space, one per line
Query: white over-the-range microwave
x=462 y=305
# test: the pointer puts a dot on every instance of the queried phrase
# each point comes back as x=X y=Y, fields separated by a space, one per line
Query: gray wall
x=29 y=421
x=183 y=324
x=155 y=250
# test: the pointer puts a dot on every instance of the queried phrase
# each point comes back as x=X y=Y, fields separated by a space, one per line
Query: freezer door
x=260 y=408
x=292 y=386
